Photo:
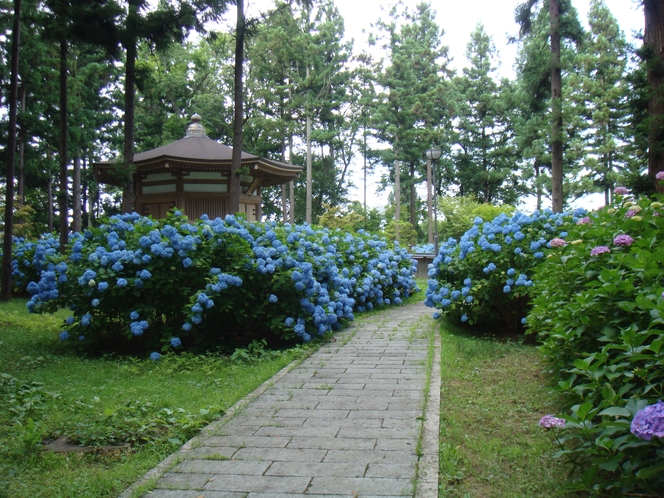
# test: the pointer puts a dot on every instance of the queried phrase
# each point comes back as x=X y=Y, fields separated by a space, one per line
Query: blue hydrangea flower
x=273 y=298
x=155 y=356
x=507 y=289
x=464 y=318
x=64 y=335
x=134 y=315
x=95 y=302
x=176 y=342
x=137 y=328
x=122 y=282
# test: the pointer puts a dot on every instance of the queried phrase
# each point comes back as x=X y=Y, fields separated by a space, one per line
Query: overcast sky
x=459 y=17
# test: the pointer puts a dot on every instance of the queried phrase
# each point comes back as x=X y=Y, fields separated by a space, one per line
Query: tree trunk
x=63 y=205
x=6 y=287
x=413 y=204
x=291 y=185
x=364 y=168
x=130 y=83
x=49 y=189
x=538 y=185
x=21 y=152
x=76 y=195
x=556 y=110
x=429 y=204
x=284 y=190
x=397 y=190
x=308 y=210
x=236 y=162
x=653 y=39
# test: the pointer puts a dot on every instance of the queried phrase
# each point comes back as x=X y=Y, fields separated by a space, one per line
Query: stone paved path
x=345 y=422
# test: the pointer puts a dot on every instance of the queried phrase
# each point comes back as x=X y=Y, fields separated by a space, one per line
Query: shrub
x=30 y=257
x=599 y=313
x=401 y=231
x=486 y=277
x=135 y=284
x=458 y=214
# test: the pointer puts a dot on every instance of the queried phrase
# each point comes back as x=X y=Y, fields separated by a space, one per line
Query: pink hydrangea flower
x=584 y=221
x=660 y=175
x=623 y=240
x=549 y=421
x=620 y=191
x=596 y=251
x=630 y=213
x=557 y=242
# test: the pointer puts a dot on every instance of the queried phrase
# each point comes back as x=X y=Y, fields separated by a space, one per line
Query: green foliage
x=458 y=214
x=353 y=218
x=335 y=217
x=402 y=232
x=255 y=351
x=600 y=317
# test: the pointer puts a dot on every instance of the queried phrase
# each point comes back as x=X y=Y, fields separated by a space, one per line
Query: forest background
x=388 y=100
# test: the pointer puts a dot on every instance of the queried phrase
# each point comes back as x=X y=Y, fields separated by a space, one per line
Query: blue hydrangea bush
x=135 y=284
x=599 y=314
x=30 y=257
x=486 y=276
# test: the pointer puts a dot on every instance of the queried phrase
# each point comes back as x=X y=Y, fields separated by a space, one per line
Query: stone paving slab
x=345 y=422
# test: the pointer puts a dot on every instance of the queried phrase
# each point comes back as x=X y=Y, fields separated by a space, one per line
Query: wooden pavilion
x=193 y=175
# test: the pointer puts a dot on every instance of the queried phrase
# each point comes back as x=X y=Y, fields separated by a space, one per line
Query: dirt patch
x=64 y=445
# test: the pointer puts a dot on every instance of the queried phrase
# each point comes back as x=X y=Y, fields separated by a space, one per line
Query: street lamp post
x=433 y=154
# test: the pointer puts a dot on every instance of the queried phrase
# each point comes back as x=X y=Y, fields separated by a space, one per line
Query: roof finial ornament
x=195 y=129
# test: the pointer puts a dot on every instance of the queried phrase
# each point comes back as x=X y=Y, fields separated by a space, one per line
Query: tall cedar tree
x=169 y=23
x=413 y=99
x=603 y=62
x=484 y=159
x=238 y=99
x=72 y=21
x=523 y=16
x=6 y=289
x=653 y=40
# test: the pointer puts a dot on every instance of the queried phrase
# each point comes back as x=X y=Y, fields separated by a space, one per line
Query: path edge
x=428 y=465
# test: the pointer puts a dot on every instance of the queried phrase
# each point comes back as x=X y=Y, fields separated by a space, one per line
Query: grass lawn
x=47 y=391
x=493 y=395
